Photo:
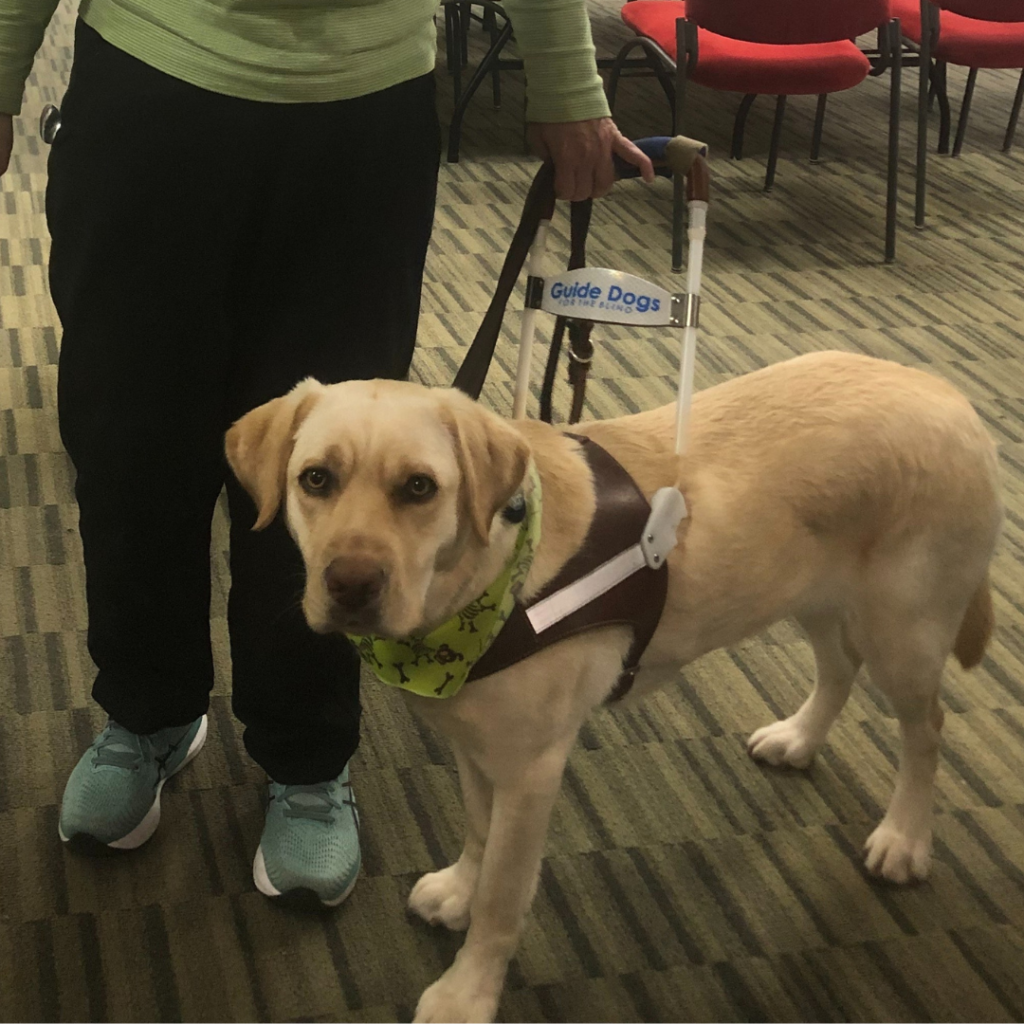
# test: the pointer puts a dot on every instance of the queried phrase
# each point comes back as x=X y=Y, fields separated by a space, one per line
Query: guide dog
x=856 y=496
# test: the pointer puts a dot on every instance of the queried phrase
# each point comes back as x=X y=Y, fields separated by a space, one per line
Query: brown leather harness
x=637 y=601
x=622 y=512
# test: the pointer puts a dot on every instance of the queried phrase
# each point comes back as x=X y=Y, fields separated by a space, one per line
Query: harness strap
x=638 y=601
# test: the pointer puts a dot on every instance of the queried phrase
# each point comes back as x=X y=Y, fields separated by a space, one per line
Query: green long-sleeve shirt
x=303 y=51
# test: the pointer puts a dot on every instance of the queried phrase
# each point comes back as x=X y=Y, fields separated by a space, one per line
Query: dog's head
x=391 y=491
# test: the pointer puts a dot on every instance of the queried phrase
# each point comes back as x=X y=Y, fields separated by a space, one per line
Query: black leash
x=539 y=205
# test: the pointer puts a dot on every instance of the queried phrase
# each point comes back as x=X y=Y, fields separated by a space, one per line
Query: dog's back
x=820 y=481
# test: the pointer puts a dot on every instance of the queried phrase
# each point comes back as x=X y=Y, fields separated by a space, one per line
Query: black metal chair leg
x=773 y=151
x=945 y=116
x=895 y=84
x=924 y=77
x=819 y=126
x=611 y=89
x=619 y=62
x=736 y=153
x=481 y=72
x=465 y=21
x=491 y=28
x=453 y=47
x=965 y=112
x=449 y=50
x=661 y=71
x=1011 y=127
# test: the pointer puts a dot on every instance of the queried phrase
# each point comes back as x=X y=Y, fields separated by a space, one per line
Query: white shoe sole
x=265 y=886
x=147 y=826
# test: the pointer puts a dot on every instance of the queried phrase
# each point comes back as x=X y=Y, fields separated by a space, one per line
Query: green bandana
x=436 y=665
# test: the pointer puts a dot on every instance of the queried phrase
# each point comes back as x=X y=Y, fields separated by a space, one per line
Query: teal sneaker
x=112 y=798
x=310 y=842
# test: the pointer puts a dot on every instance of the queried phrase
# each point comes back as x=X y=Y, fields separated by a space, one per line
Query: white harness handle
x=613 y=297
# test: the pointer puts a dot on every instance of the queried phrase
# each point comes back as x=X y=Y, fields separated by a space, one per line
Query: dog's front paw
x=897 y=857
x=785 y=742
x=459 y=996
x=443 y=897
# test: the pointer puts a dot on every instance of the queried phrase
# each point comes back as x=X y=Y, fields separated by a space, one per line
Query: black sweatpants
x=208 y=253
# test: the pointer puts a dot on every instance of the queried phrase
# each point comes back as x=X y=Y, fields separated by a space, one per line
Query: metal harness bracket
x=534 y=291
x=685 y=310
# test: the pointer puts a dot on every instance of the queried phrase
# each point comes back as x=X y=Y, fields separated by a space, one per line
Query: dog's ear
x=492 y=457
x=259 y=446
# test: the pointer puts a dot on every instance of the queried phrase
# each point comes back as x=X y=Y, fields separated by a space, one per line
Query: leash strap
x=539 y=206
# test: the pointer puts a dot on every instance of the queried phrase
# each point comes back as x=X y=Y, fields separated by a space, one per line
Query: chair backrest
x=986 y=10
x=792 y=21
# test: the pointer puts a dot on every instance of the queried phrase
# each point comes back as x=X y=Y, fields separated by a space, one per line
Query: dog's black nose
x=354 y=582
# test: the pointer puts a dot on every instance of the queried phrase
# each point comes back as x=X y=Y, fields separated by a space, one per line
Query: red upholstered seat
x=966 y=41
x=736 y=66
x=778 y=48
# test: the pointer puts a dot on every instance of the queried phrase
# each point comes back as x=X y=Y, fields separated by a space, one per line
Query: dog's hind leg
x=920 y=608
x=900 y=847
x=443 y=897
x=795 y=740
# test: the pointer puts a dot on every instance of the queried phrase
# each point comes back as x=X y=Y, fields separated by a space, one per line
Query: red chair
x=973 y=34
x=776 y=47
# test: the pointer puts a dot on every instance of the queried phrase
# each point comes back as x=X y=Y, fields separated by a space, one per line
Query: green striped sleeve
x=561 y=72
x=22 y=27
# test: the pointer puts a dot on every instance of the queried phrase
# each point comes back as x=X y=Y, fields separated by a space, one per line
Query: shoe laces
x=315 y=803
x=118 y=748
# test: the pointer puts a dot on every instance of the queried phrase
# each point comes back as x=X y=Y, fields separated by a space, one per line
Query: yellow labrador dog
x=856 y=496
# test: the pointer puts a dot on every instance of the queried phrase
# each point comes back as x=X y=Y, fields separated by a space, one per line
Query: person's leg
x=334 y=294
x=143 y=203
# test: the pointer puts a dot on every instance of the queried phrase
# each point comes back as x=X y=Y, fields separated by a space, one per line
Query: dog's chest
x=555 y=614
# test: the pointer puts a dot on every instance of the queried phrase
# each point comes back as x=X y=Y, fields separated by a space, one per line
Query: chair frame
x=932 y=86
x=457 y=18
x=888 y=57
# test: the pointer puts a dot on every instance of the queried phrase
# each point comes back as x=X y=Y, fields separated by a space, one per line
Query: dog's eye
x=419 y=487
x=315 y=480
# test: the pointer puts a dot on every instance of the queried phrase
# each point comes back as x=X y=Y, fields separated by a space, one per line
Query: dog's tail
x=976 y=628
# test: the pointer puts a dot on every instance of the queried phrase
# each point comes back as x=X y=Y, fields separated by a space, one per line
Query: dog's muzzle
x=354 y=584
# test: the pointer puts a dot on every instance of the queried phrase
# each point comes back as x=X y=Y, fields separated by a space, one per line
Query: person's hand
x=6 y=140
x=582 y=154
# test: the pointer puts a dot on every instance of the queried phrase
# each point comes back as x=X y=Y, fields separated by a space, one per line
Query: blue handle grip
x=654 y=149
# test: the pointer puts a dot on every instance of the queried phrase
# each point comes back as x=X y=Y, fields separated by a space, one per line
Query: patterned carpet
x=684 y=882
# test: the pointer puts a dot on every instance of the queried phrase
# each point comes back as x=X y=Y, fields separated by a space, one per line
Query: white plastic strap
x=562 y=603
